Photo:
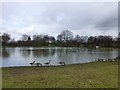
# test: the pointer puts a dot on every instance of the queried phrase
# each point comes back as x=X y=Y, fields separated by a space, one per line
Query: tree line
x=64 y=39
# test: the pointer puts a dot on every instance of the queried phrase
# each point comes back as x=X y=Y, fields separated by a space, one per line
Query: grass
x=89 y=75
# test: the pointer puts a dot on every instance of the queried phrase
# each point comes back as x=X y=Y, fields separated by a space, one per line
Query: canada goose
x=100 y=59
x=47 y=63
x=32 y=63
x=115 y=59
x=62 y=63
x=110 y=60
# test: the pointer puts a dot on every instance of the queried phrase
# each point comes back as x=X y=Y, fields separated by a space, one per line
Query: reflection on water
x=22 y=56
x=43 y=52
x=24 y=52
x=5 y=53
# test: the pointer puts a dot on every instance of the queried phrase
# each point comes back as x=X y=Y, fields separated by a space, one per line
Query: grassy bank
x=89 y=75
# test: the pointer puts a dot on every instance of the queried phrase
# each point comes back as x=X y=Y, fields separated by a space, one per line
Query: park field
x=87 y=75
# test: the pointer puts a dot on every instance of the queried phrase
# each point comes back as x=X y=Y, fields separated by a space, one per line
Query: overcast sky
x=83 y=18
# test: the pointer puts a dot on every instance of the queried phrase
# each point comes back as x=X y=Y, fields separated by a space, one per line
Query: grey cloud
x=80 y=15
x=109 y=22
x=58 y=16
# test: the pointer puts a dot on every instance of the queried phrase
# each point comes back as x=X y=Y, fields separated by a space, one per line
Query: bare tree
x=59 y=38
x=66 y=35
x=5 y=38
x=38 y=37
x=77 y=38
x=25 y=37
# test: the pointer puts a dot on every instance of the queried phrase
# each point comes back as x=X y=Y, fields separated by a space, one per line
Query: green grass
x=89 y=75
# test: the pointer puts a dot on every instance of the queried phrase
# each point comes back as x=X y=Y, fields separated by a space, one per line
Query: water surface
x=22 y=56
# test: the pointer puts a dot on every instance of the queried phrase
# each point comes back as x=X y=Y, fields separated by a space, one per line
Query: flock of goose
x=63 y=63
x=111 y=60
x=46 y=64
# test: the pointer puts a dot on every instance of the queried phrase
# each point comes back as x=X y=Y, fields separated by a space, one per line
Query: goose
x=32 y=63
x=47 y=63
x=62 y=63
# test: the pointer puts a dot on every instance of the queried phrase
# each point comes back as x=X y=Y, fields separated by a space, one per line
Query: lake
x=22 y=56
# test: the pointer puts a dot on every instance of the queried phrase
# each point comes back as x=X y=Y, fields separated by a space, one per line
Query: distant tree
x=77 y=38
x=38 y=37
x=66 y=35
x=46 y=38
x=91 y=39
x=108 y=41
x=59 y=38
x=84 y=39
x=25 y=37
x=29 y=38
x=5 y=37
x=35 y=37
x=118 y=41
x=51 y=38
x=12 y=40
x=104 y=39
